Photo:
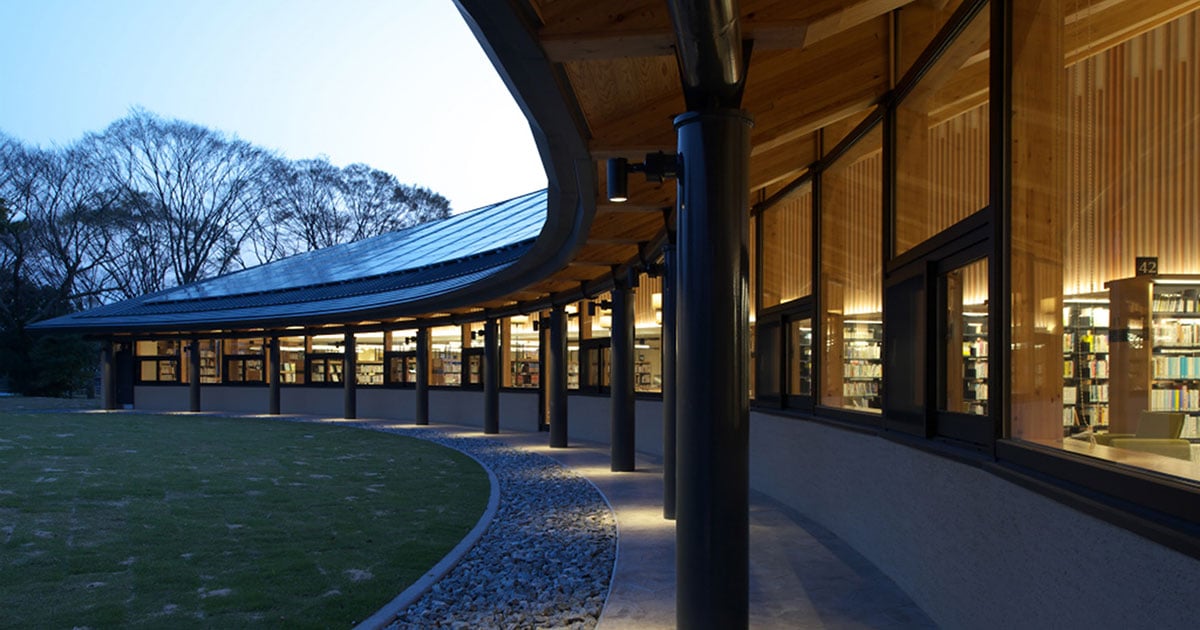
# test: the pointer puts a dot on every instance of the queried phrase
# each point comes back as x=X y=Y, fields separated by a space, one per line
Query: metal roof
x=371 y=278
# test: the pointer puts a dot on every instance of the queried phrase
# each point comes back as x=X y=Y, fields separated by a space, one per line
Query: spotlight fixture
x=657 y=167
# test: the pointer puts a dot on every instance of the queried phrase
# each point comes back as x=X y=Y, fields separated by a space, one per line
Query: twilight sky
x=401 y=85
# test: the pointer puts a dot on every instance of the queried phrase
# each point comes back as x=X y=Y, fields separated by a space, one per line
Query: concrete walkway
x=801 y=576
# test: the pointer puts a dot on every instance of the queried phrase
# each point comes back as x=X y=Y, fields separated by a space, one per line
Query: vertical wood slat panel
x=1135 y=144
x=958 y=168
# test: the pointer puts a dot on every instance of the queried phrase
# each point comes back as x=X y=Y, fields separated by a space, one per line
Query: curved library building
x=925 y=272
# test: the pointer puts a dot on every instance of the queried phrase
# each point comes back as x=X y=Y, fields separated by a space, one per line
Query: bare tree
x=313 y=204
x=369 y=197
x=422 y=205
x=307 y=200
x=69 y=212
x=203 y=189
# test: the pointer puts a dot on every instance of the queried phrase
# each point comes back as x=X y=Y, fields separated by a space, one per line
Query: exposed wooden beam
x=848 y=16
x=586 y=29
x=1094 y=26
x=782 y=163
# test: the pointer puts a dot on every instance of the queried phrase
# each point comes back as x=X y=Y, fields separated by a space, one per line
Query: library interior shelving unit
x=1085 y=362
x=975 y=362
x=863 y=365
x=1154 y=343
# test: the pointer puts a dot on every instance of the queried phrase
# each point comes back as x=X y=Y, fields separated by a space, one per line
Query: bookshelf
x=975 y=367
x=1085 y=362
x=862 y=368
x=1175 y=352
x=1155 y=350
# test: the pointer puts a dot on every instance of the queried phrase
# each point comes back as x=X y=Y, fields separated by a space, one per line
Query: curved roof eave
x=560 y=135
x=510 y=40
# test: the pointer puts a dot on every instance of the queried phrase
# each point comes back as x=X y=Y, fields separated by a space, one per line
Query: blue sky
x=401 y=85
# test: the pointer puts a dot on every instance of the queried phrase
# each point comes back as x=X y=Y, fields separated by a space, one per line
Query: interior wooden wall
x=851 y=228
x=958 y=164
x=787 y=255
x=1134 y=119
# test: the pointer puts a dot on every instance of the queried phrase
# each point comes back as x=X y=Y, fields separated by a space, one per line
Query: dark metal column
x=712 y=529
x=108 y=385
x=194 y=373
x=622 y=423
x=273 y=375
x=422 y=412
x=668 y=379
x=350 y=377
x=543 y=414
x=491 y=377
x=556 y=376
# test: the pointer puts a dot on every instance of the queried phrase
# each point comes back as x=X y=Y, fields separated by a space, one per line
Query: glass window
x=473 y=367
x=244 y=370
x=599 y=317
x=1104 y=264
x=800 y=340
x=647 y=362
x=210 y=361
x=326 y=359
x=445 y=359
x=918 y=24
x=368 y=348
x=575 y=332
x=400 y=356
x=787 y=249
x=523 y=362
x=942 y=141
x=243 y=360
x=403 y=368
x=158 y=360
x=596 y=357
x=768 y=344
x=852 y=277
x=647 y=342
x=404 y=340
x=291 y=360
x=753 y=304
x=964 y=366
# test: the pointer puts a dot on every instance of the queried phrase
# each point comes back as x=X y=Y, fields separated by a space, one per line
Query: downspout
x=709 y=49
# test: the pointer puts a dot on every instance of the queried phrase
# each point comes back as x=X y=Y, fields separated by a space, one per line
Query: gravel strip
x=546 y=560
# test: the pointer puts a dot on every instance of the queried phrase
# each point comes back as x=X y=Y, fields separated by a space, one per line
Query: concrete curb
x=385 y=615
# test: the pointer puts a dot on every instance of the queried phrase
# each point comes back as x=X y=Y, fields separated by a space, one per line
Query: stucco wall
x=392 y=404
x=162 y=397
x=320 y=401
x=649 y=434
x=587 y=418
x=244 y=399
x=456 y=406
x=972 y=549
x=518 y=410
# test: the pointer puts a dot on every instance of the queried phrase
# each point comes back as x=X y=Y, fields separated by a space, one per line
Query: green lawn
x=111 y=520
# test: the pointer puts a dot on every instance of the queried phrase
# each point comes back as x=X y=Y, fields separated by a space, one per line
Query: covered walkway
x=801 y=575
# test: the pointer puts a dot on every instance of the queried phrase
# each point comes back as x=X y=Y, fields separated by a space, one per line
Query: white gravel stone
x=545 y=560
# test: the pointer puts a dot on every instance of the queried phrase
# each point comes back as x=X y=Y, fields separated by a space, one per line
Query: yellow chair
x=1179 y=449
x=1157 y=432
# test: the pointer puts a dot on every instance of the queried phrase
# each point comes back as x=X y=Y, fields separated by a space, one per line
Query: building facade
x=966 y=256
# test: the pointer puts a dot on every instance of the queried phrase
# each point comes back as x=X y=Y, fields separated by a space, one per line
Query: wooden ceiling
x=816 y=69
